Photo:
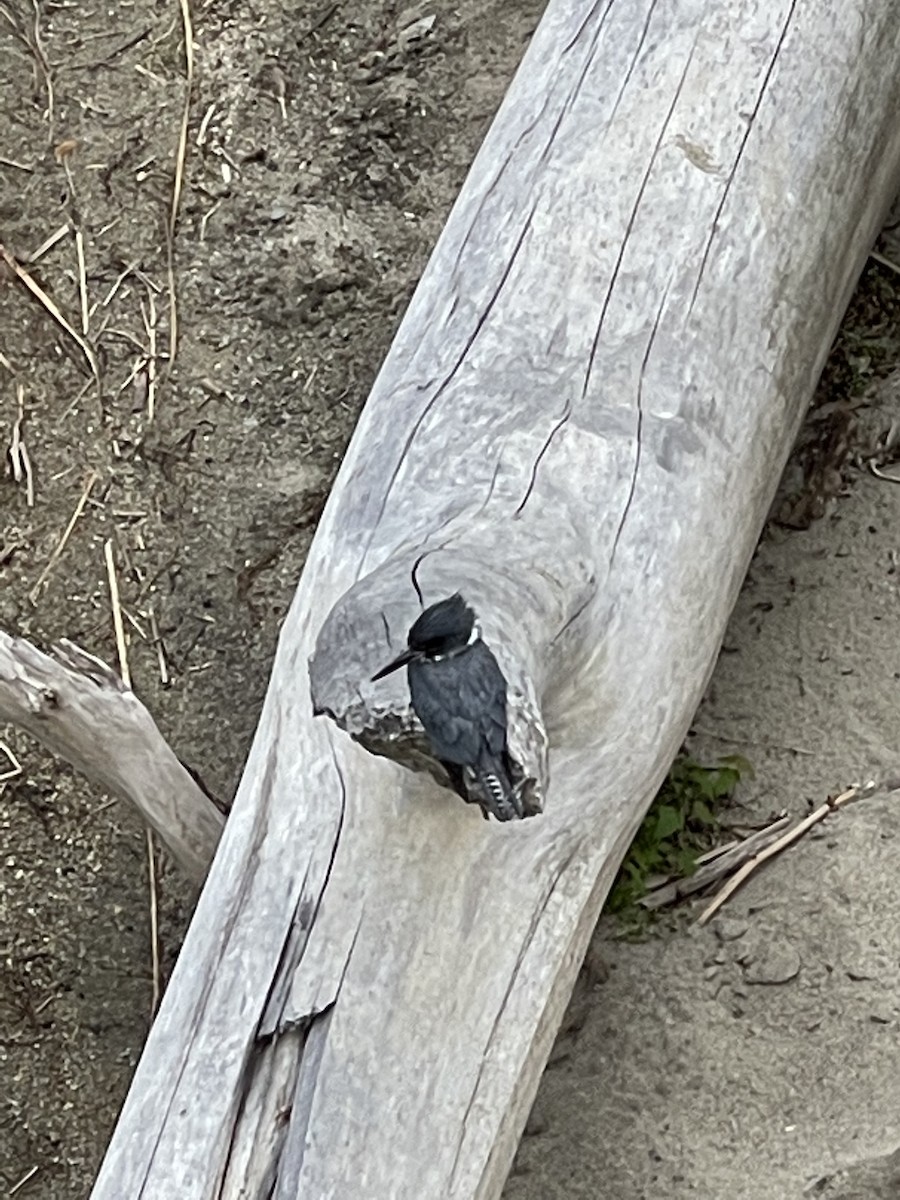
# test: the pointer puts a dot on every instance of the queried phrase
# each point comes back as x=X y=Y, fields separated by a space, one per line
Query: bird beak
x=400 y=661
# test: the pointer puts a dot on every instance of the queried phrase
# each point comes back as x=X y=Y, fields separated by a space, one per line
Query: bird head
x=443 y=628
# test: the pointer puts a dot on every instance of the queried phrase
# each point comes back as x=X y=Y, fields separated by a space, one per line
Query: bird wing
x=461 y=702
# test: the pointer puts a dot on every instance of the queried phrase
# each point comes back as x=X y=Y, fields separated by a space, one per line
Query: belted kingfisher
x=458 y=692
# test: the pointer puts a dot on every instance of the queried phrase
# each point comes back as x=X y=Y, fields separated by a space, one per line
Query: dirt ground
x=325 y=145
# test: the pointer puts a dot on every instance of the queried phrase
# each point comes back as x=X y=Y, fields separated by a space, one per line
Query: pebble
x=777 y=962
x=729 y=929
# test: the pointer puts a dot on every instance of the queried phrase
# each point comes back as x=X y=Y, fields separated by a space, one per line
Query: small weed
x=868 y=343
x=681 y=824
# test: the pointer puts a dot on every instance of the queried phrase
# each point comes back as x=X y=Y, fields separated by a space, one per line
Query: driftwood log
x=79 y=708
x=580 y=424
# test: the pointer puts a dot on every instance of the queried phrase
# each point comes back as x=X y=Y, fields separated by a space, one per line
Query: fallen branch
x=722 y=864
x=79 y=708
x=859 y=791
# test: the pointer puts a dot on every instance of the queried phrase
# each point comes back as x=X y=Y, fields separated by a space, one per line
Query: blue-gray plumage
x=458 y=692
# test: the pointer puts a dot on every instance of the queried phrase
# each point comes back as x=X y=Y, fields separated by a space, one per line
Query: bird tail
x=496 y=793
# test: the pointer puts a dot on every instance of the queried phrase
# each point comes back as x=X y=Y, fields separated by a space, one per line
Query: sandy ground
x=757 y=1056
x=324 y=151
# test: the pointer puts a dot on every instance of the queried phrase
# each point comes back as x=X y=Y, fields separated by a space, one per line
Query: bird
x=458 y=692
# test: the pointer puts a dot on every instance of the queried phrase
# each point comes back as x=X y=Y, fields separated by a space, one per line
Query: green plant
x=680 y=825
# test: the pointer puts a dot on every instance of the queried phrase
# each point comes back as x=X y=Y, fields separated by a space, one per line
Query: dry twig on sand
x=15 y=767
x=858 y=791
x=67 y=533
x=115 y=605
x=153 y=891
x=714 y=866
x=178 y=179
x=19 y=458
x=50 y=307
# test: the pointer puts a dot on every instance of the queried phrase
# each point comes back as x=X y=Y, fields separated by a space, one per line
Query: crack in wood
x=629 y=228
x=561 y=421
x=639 y=425
x=574 y=92
x=455 y=537
x=570 y=45
x=634 y=61
x=576 y=614
x=294 y=1145
x=292 y=949
x=442 y=387
x=273 y=1026
x=202 y=999
x=296 y=1020
x=533 y=925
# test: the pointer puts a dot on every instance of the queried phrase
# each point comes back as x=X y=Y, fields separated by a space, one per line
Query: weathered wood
x=80 y=709
x=581 y=424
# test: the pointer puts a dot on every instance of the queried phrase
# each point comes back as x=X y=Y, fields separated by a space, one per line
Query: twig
x=125 y=336
x=148 y=282
x=716 y=852
x=46 y=1002
x=204 y=124
x=41 y=296
x=178 y=180
x=82 y=282
x=67 y=532
x=722 y=864
x=135 y=624
x=11 y=162
x=117 y=284
x=139 y=364
x=29 y=1175
x=207 y=217
x=95 y=812
x=15 y=767
x=108 y=226
x=154 y=922
x=24 y=456
x=279 y=88
x=29 y=475
x=885 y=262
x=38 y=47
x=160 y=649
x=74 y=403
x=787 y=839
x=47 y=245
x=879 y=474
x=118 y=625
x=18 y=451
x=134 y=40
x=149 y=317
x=62 y=153
x=142 y=70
